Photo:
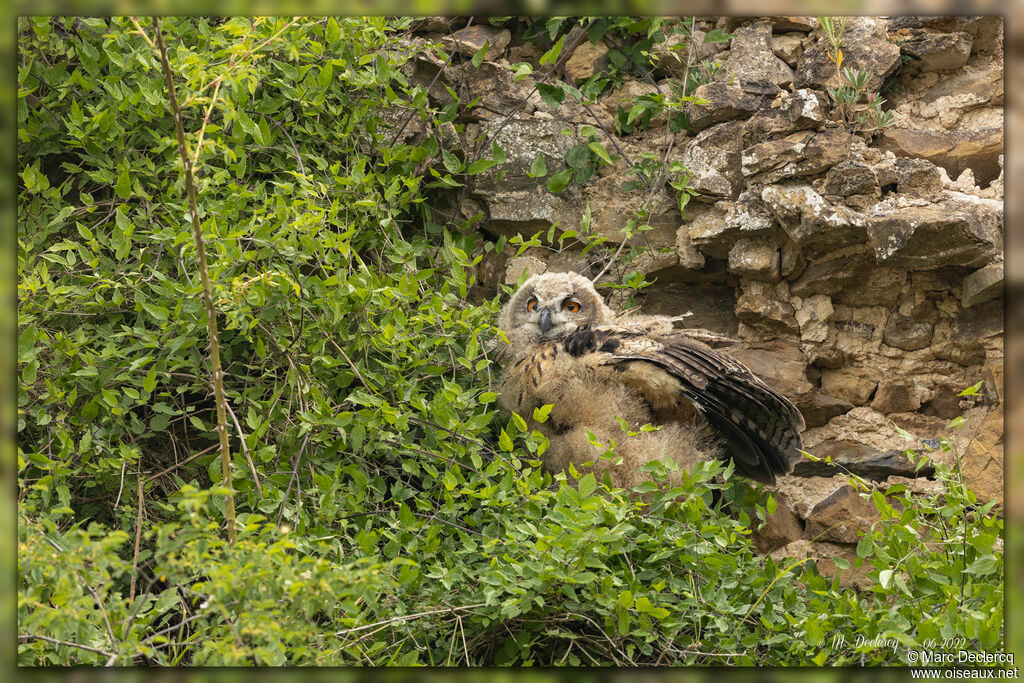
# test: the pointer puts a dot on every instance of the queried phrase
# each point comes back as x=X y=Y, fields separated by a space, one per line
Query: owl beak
x=545 y=321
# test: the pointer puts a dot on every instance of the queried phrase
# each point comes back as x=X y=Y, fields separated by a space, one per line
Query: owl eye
x=571 y=306
x=531 y=305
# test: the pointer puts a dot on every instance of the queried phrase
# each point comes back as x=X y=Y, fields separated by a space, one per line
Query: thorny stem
x=211 y=314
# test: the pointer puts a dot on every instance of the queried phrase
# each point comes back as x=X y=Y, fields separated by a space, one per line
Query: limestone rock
x=517 y=266
x=715 y=229
x=788 y=47
x=813 y=315
x=524 y=139
x=803 y=24
x=961 y=230
x=713 y=306
x=470 y=40
x=850 y=276
x=725 y=101
x=528 y=211
x=689 y=257
x=567 y=261
x=948 y=344
x=944 y=24
x=587 y=59
x=934 y=50
x=979 y=322
x=903 y=332
x=818 y=408
x=918 y=178
x=498 y=92
x=843 y=517
x=624 y=97
x=611 y=208
x=753 y=63
x=798 y=154
x=955 y=150
x=779 y=529
x=962 y=91
x=824 y=555
x=804 y=493
x=814 y=224
x=713 y=159
x=865 y=46
x=654 y=261
x=759 y=308
x=983 y=459
x=851 y=178
x=873 y=431
x=434 y=24
x=983 y=285
x=755 y=259
x=851 y=384
x=707 y=229
x=789 y=112
x=896 y=396
x=793 y=261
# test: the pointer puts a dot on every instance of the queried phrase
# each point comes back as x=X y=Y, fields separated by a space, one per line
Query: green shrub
x=386 y=513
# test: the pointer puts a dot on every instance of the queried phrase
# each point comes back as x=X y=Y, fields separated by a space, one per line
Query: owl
x=611 y=374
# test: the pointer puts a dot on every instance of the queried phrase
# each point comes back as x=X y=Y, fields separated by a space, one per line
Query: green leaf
x=504 y=441
x=124 y=185
x=333 y=31
x=541 y=413
x=718 y=35
x=405 y=515
x=986 y=564
x=972 y=390
x=559 y=181
x=587 y=485
x=158 y=312
x=602 y=154
x=478 y=57
x=479 y=166
x=326 y=75
x=551 y=56
x=552 y=95
x=451 y=162
x=497 y=153
x=149 y=383
x=539 y=168
x=578 y=155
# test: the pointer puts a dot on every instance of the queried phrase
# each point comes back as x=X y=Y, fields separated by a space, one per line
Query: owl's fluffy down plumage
x=567 y=348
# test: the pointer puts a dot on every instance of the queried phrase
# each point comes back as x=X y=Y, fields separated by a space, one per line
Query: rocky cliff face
x=862 y=269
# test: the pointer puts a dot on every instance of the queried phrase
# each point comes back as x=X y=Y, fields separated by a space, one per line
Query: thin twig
x=354 y=368
x=138 y=543
x=28 y=637
x=295 y=473
x=211 y=314
x=106 y=621
x=298 y=157
x=182 y=463
x=245 y=450
x=406 y=617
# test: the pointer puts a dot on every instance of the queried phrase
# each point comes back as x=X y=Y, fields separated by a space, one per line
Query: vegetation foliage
x=387 y=513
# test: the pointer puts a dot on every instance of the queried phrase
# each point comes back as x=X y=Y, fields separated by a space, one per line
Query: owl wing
x=759 y=426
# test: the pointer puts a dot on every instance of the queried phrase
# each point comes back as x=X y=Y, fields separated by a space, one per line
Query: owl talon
x=580 y=341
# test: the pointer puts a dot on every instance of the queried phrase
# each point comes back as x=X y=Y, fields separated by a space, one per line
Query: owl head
x=550 y=306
